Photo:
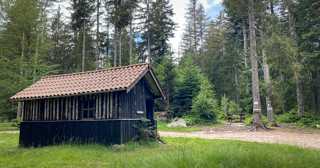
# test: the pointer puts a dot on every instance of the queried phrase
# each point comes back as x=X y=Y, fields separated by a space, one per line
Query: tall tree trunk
x=149 y=49
x=131 y=31
x=245 y=51
x=120 y=46
x=108 y=43
x=267 y=80
x=318 y=91
x=296 y=64
x=257 y=114
x=84 y=41
x=194 y=26
x=97 y=49
x=22 y=55
x=37 y=43
x=115 y=47
x=168 y=99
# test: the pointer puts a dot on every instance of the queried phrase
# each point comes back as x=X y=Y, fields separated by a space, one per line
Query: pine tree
x=188 y=85
x=82 y=24
x=24 y=47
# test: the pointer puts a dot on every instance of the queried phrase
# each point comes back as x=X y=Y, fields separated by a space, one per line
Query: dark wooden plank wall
x=107 y=106
x=110 y=105
x=135 y=100
x=39 y=133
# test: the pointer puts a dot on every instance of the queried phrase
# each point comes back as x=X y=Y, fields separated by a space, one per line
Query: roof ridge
x=107 y=69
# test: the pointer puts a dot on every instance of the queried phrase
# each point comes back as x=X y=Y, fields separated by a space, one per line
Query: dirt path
x=10 y=131
x=274 y=136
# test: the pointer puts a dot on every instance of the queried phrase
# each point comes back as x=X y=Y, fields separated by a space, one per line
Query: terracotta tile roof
x=85 y=82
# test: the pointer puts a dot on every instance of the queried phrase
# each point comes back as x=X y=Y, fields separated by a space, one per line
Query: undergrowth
x=177 y=152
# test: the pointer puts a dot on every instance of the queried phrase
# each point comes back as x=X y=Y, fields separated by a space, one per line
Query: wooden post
x=104 y=106
x=108 y=99
x=39 y=110
x=66 y=110
x=111 y=103
x=69 y=109
x=116 y=105
x=54 y=109
x=58 y=108
x=45 y=109
x=77 y=107
x=48 y=107
x=25 y=111
x=33 y=109
x=99 y=106
x=73 y=108
x=51 y=108
x=61 y=109
x=119 y=113
x=28 y=111
x=36 y=111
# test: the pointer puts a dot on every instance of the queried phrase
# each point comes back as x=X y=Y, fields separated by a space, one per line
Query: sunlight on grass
x=162 y=126
x=8 y=128
x=177 y=152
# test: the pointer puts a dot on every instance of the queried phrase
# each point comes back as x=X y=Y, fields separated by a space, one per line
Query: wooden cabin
x=88 y=107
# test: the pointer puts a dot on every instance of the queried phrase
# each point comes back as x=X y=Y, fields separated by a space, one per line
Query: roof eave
x=157 y=83
x=114 y=90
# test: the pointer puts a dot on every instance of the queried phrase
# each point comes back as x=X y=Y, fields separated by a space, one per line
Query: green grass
x=177 y=152
x=162 y=126
x=8 y=128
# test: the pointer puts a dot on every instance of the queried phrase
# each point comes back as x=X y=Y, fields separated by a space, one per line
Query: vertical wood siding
x=109 y=105
x=38 y=134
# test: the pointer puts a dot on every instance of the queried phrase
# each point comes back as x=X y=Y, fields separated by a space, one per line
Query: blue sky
x=212 y=8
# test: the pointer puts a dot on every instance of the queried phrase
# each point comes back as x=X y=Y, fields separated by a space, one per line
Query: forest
x=255 y=57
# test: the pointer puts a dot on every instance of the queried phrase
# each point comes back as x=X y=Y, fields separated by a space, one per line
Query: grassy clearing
x=162 y=126
x=8 y=128
x=177 y=152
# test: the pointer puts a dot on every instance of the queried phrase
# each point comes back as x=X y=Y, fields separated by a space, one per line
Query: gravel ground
x=237 y=131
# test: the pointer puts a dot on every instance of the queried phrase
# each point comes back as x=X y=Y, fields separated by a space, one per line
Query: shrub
x=222 y=116
x=15 y=122
x=191 y=120
x=249 y=120
x=288 y=118
x=145 y=133
x=234 y=107
x=203 y=107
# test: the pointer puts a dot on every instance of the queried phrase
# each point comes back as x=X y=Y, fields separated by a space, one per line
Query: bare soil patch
x=13 y=131
x=289 y=135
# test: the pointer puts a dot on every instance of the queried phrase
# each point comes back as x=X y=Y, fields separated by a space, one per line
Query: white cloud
x=217 y=2
x=179 y=10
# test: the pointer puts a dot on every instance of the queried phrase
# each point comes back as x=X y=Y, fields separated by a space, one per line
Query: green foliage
x=224 y=104
x=25 y=45
x=249 y=120
x=166 y=74
x=234 y=107
x=145 y=133
x=15 y=122
x=203 y=107
x=188 y=86
x=290 y=117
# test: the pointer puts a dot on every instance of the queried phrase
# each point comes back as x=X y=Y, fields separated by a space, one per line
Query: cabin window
x=88 y=109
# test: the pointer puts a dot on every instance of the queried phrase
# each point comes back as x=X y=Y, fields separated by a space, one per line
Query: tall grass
x=177 y=152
